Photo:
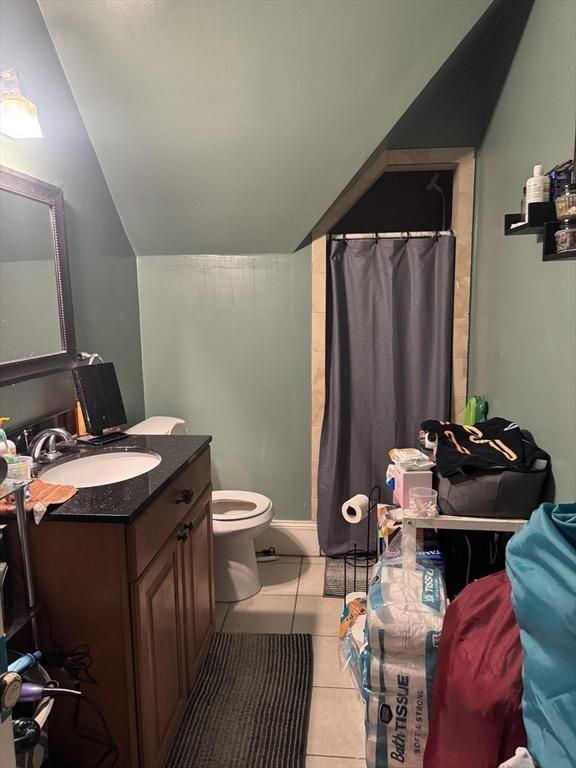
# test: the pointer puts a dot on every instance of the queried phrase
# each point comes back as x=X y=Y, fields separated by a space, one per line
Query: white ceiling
x=230 y=126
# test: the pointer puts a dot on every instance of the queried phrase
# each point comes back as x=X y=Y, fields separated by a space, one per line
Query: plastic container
x=423 y=502
x=20 y=469
x=566 y=203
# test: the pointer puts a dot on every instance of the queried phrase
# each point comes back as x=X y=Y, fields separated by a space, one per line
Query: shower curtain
x=388 y=366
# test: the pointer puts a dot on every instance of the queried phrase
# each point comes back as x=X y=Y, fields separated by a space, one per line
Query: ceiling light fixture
x=18 y=115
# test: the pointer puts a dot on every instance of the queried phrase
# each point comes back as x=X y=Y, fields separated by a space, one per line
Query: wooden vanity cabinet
x=174 y=619
x=142 y=597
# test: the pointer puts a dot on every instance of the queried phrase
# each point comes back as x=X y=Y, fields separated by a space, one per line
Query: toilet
x=159 y=425
x=237 y=518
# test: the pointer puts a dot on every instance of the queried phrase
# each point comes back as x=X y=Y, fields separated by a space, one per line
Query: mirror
x=36 y=321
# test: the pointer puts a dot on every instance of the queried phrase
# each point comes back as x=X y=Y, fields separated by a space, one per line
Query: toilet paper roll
x=355 y=509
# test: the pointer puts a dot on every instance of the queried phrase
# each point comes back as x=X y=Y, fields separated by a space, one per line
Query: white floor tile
x=318 y=615
x=323 y=761
x=311 y=579
x=279 y=577
x=336 y=723
x=327 y=671
x=261 y=613
x=221 y=611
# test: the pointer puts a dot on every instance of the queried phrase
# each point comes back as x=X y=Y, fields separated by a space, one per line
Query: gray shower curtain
x=388 y=365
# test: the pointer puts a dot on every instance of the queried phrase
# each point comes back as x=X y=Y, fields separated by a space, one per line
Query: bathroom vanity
x=127 y=568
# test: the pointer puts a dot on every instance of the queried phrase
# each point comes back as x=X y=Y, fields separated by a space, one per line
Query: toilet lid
x=238 y=505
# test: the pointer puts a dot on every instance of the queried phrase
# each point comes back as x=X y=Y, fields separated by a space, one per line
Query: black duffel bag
x=506 y=493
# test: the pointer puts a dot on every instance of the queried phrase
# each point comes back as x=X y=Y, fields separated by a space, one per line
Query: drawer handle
x=182 y=537
x=188 y=526
x=187 y=496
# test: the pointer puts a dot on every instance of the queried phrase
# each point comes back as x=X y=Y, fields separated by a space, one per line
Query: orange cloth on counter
x=41 y=493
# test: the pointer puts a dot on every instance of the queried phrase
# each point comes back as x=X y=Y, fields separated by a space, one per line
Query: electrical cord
x=493 y=548
x=111 y=748
x=76 y=664
x=469 y=566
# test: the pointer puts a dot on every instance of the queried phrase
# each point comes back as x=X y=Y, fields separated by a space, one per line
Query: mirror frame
x=29 y=368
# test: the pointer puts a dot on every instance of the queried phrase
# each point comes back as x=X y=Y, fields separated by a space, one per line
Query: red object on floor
x=477 y=694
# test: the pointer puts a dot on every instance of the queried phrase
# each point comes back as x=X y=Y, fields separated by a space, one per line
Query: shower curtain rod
x=391 y=235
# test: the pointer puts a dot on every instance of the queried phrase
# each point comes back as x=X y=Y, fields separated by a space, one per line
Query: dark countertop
x=123 y=502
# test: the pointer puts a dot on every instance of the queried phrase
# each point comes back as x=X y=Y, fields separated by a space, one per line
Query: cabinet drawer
x=149 y=532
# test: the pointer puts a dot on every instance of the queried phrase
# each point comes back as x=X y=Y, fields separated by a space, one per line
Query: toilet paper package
x=404 y=614
x=352 y=635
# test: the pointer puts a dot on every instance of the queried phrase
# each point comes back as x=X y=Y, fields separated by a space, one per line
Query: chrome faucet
x=55 y=438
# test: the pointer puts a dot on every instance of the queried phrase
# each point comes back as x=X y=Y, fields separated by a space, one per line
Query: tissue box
x=404 y=480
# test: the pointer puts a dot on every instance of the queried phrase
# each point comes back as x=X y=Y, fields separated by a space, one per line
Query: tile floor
x=291 y=601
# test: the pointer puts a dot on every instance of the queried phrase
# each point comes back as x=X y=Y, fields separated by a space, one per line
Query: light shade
x=18 y=115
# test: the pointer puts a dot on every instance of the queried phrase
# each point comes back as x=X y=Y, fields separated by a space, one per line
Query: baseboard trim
x=291 y=537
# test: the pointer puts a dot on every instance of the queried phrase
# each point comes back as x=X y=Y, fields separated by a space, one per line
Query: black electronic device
x=100 y=397
x=102 y=440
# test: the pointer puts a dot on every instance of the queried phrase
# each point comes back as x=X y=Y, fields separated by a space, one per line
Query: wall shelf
x=562 y=256
x=541 y=221
x=538 y=215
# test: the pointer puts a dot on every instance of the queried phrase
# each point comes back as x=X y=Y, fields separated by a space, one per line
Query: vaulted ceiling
x=231 y=126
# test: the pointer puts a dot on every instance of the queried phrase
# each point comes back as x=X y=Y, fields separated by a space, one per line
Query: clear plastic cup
x=21 y=469
x=423 y=502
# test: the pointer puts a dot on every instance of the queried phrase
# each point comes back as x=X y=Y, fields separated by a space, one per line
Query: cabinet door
x=203 y=568
x=160 y=670
x=198 y=569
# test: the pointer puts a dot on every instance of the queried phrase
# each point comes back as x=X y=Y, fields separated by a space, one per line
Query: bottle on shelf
x=537 y=188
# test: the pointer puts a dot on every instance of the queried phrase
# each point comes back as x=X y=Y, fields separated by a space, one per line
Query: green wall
x=245 y=118
x=102 y=262
x=523 y=349
x=226 y=346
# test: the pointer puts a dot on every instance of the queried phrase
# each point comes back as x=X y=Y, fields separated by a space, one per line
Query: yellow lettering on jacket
x=460 y=448
x=477 y=437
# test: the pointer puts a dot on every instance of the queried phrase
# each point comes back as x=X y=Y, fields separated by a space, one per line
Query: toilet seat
x=232 y=506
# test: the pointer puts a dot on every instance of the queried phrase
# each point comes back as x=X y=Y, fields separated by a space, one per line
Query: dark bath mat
x=334 y=577
x=250 y=705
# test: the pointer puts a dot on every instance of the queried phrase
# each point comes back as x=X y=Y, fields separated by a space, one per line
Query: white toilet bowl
x=237 y=518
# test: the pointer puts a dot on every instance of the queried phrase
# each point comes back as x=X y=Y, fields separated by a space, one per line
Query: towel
x=40 y=495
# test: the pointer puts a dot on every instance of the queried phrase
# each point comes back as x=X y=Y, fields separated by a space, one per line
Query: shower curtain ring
x=407 y=237
x=376 y=237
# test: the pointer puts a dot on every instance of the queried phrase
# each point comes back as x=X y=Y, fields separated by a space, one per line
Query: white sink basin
x=101 y=469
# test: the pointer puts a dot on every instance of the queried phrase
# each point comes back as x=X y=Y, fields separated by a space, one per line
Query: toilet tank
x=159 y=425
